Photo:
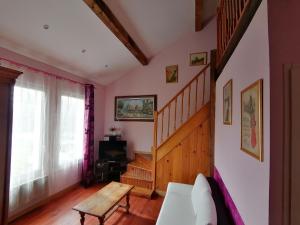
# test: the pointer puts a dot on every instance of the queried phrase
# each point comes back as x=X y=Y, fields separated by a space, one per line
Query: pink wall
x=151 y=80
x=284 y=35
x=99 y=91
x=246 y=179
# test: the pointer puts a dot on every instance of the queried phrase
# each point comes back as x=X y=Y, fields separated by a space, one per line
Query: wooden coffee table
x=103 y=203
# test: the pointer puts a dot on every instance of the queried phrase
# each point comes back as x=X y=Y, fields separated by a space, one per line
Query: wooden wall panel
x=188 y=158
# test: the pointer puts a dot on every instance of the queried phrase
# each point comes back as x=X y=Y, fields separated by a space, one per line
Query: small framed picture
x=172 y=74
x=227 y=103
x=252 y=120
x=198 y=59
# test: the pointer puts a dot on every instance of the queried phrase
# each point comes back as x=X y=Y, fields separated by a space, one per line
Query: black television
x=113 y=150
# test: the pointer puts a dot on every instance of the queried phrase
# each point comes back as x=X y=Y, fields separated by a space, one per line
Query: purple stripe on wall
x=228 y=200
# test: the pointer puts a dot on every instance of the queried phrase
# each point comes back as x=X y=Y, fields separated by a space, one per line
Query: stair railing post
x=196 y=100
x=182 y=100
x=175 y=116
x=189 y=102
x=162 y=126
x=155 y=130
x=154 y=149
x=203 y=93
x=169 y=110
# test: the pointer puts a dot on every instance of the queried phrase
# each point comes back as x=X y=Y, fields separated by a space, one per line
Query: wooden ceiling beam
x=108 y=18
x=198 y=15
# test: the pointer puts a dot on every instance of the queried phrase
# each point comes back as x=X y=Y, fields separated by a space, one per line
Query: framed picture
x=252 y=120
x=135 y=108
x=227 y=103
x=198 y=59
x=172 y=74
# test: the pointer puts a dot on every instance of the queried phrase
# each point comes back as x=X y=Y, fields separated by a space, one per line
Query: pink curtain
x=88 y=160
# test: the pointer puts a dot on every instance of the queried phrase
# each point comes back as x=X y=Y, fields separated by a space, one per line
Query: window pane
x=71 y=130
x=27 y=136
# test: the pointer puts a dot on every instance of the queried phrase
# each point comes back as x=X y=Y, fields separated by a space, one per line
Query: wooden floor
x=59 y=212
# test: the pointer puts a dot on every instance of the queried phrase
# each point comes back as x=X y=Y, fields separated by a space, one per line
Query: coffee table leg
x=127 y=203
x=101 y=220
x=82 y=218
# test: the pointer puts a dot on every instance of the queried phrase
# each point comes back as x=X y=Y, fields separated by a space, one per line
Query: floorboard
x=59 y=212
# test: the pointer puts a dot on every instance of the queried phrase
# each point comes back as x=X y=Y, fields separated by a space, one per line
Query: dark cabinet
x=112 y=160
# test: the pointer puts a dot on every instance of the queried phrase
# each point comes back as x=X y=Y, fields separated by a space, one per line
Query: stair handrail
x=174 y=100
x=229 y=14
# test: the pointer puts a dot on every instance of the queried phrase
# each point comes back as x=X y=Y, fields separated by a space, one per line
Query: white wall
x=151 y=79
x=246 y=178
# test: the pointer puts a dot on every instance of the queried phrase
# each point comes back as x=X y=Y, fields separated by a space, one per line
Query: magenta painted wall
x=246 y=179
x=284 y=35
x=151 y=80
x=99 y=91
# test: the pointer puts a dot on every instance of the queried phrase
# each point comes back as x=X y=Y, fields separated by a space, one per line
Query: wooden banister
x=229 y=14
x=184 y=88
x=185 y=106
x=233 y=18
x=162 y=127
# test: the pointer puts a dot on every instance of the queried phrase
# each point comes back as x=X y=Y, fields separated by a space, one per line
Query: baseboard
x=42 y=202
x=228 y=200
x=160 y=193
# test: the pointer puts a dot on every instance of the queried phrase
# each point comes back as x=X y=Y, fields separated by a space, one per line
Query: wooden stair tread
x=140 y=165
x=147 y=156
x=142 y=161
x=139 y=174
x=143 y=192
x=133 y=176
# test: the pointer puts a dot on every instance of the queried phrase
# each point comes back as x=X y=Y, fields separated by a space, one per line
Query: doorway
x=291 y=154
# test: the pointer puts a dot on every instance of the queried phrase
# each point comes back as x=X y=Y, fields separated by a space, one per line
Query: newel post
x=154 y=148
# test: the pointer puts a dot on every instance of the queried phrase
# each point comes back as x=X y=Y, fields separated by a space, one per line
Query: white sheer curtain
x=47 y=137
x=69 y=133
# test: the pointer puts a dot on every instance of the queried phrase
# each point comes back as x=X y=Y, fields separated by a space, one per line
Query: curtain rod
x=41 y=71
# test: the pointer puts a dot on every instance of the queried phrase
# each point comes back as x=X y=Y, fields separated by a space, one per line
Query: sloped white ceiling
x=73 y=27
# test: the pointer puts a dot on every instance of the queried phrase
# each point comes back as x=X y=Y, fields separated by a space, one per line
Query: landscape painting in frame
x=227 y=103
x=135 y=108
x=252 y=120
x=172 y=74
x=198 y=59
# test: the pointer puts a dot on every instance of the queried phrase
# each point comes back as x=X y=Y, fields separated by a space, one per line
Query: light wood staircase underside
x=139 y=174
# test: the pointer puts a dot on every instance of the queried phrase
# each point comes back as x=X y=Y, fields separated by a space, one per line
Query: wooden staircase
x=139 y=174
x=181 y=140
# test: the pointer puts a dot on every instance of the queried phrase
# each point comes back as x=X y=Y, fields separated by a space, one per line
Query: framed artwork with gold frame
x=227 y=103
x=198 y=59
x=172 y=74
x=135 y=108
x=252 y=120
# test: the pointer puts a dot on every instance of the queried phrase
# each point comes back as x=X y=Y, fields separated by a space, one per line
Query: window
x=28 y=145
x=71 y=130
x=47 y=138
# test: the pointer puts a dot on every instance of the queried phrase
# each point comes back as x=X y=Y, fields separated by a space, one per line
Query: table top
x=104 y=200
